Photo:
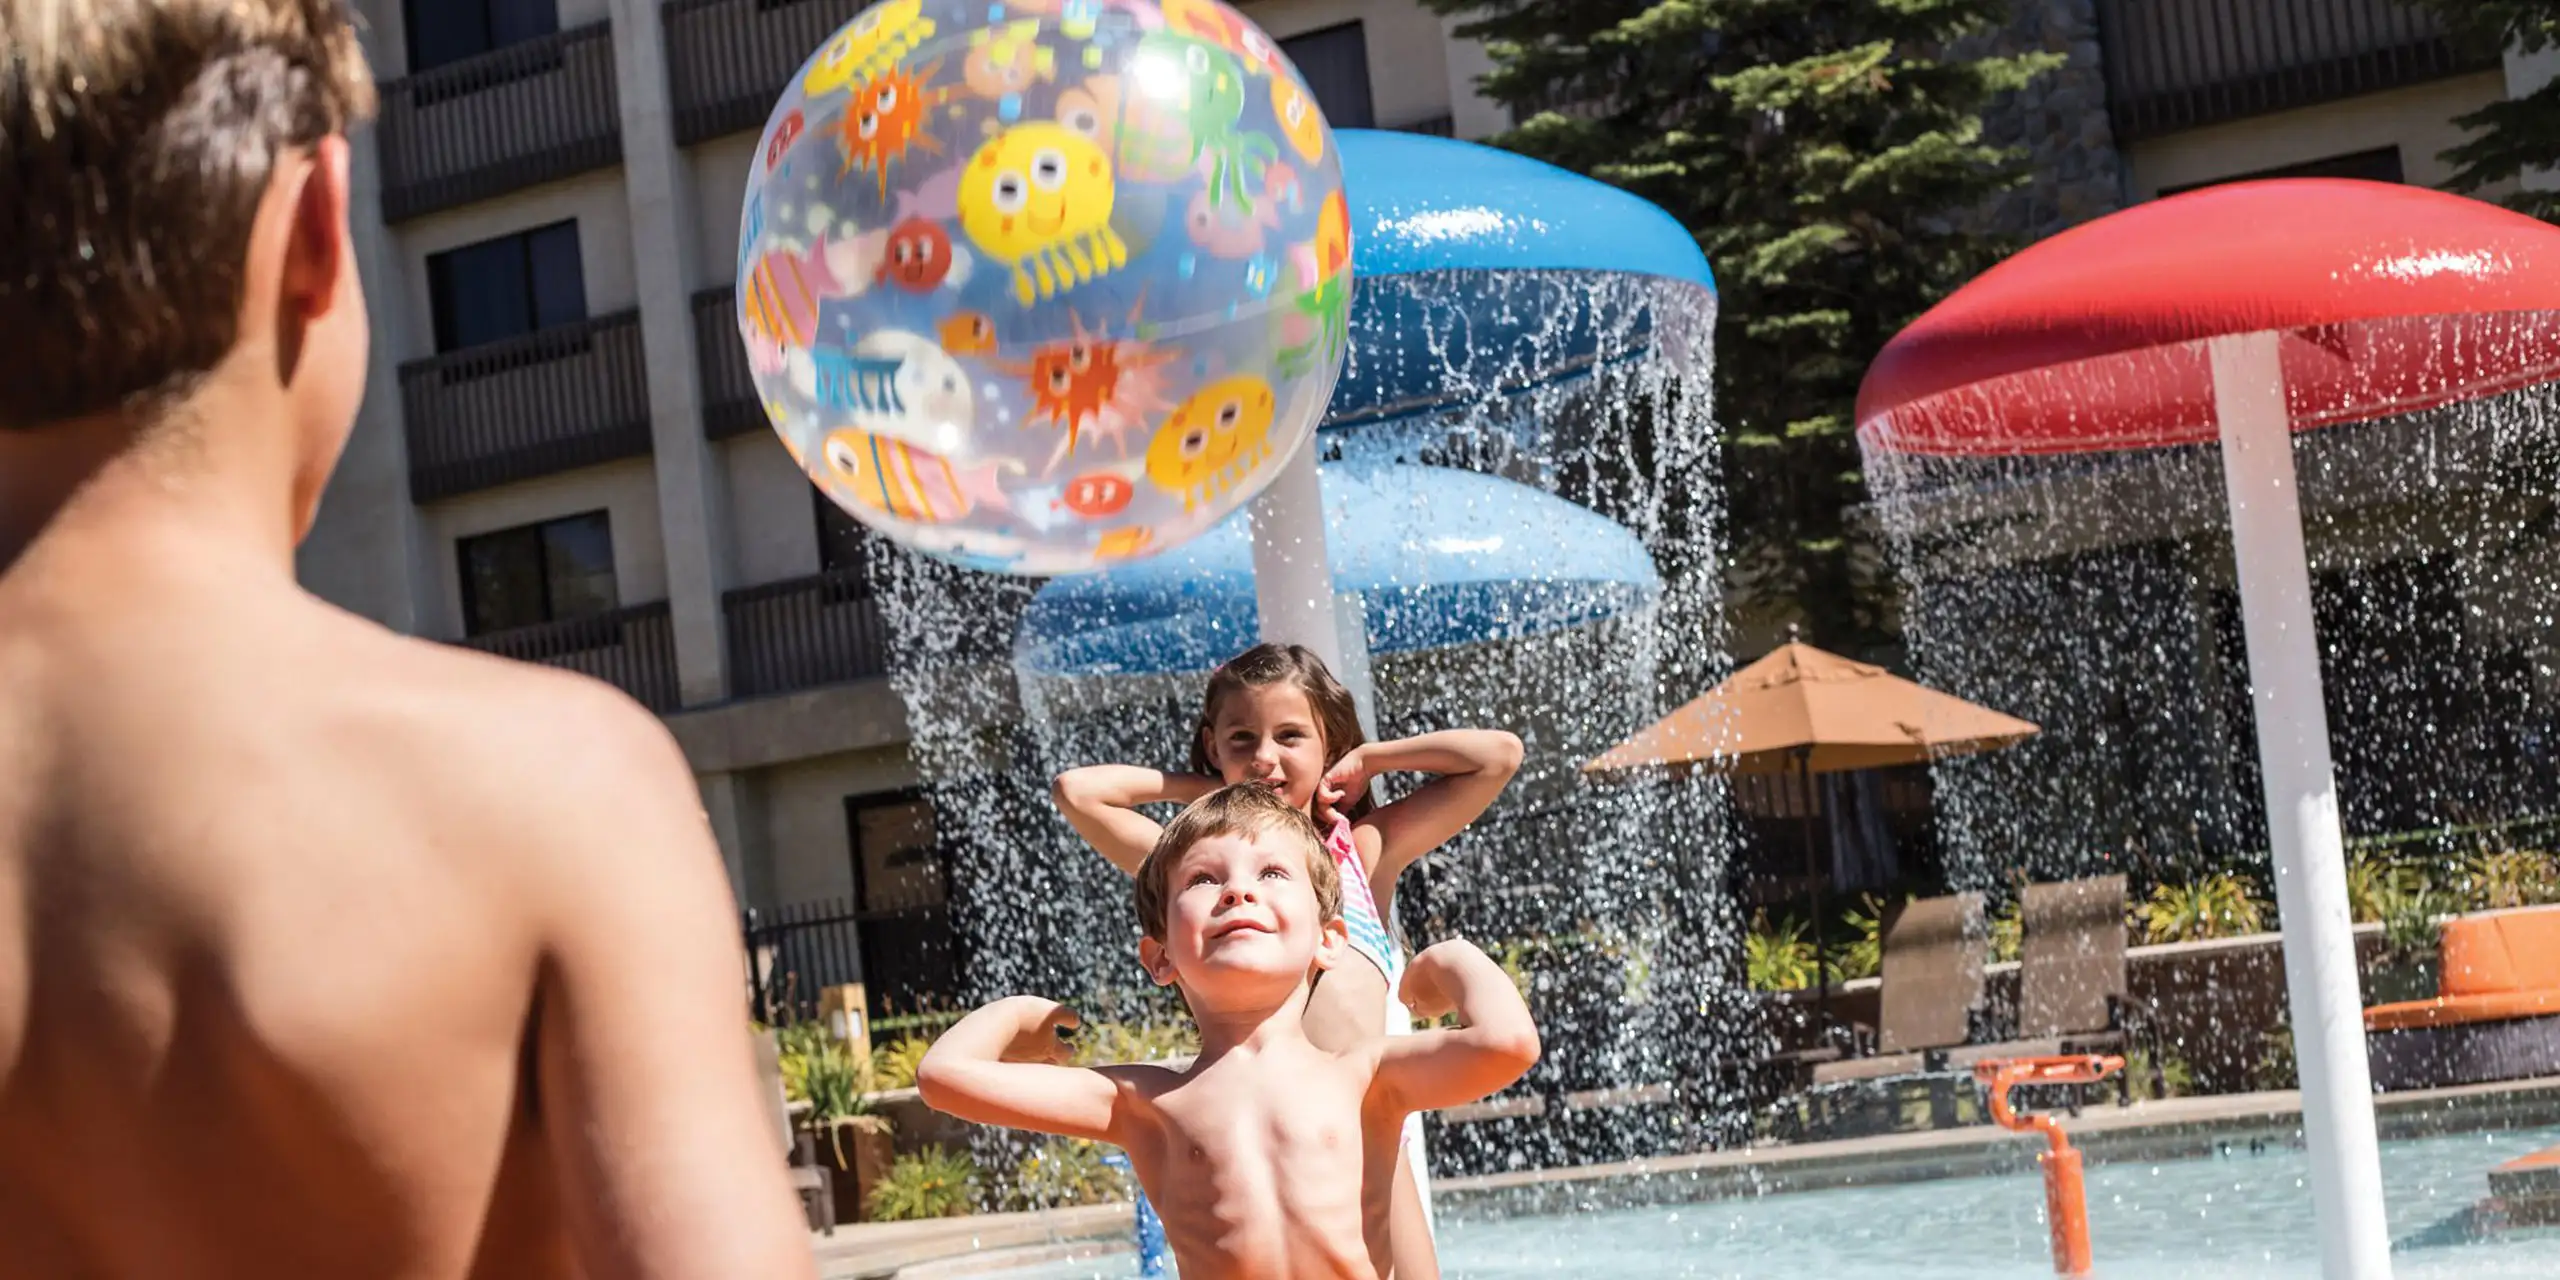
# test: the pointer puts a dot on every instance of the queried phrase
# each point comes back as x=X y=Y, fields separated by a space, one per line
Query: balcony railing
x=574 y=396
x=510 y=118
x=804 y=632
x=730 y=406
x=727 y=59
x=633 y=649
x=2182 y=64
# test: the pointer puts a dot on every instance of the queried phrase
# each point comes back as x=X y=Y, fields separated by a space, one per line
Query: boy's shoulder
x=531 y=758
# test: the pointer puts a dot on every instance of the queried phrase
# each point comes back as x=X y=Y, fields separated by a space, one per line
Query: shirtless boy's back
x=322 y=951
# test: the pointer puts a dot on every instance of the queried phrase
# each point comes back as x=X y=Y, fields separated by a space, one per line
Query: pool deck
x=2180 y=1128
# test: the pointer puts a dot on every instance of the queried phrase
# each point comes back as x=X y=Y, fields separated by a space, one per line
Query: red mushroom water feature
x=2240 y=314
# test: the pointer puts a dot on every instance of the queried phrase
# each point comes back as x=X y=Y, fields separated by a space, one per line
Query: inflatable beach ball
x=1039 y=285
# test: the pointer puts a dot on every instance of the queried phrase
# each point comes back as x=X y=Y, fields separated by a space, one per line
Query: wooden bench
x=2495 y=1014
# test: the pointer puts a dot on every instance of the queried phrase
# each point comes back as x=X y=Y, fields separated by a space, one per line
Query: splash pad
x=2237 y=315
x=1522 y=341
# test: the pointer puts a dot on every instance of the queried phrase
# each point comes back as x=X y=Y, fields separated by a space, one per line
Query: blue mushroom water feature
x=1433 y=555
x=1457 y=249
x=1515 y=504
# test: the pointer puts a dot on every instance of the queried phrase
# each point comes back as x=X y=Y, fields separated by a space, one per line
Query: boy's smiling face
x=1243 y=924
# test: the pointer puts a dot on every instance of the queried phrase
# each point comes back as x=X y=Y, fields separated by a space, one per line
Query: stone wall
x=2061 y=120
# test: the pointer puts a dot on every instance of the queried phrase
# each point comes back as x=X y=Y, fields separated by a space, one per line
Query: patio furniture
x=811 y=1179
x=1802 y=712
x=2073 y=998
x=1934 y=950
x=2496 y=1012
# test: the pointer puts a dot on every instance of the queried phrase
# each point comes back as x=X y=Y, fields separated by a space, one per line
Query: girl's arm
x=1474 y=765
x=1101 y=802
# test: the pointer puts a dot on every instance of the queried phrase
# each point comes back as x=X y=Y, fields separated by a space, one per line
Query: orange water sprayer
x=2065 y=1200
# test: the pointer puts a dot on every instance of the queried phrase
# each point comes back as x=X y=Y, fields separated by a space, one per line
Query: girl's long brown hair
x=1337 y=716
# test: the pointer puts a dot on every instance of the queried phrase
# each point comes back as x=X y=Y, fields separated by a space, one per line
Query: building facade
x=560 y=457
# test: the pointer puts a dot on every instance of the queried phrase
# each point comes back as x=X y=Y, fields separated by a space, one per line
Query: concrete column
x=1471 y=114
x=692 y=511
x=732 y=802
x=2527 y=73
x=366 y=552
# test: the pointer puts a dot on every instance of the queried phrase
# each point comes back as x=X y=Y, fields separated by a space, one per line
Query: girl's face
x=1268 y=734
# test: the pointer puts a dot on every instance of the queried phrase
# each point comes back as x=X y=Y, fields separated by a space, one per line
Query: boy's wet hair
x=1337 y=716
x=137 y=138
x=1246 y=809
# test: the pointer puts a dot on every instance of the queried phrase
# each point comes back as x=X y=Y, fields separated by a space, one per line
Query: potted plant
x=849 y=1138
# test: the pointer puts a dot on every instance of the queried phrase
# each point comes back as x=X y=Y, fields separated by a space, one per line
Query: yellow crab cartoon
x=870 y=44
x=1038 y=198
x=1216 y=439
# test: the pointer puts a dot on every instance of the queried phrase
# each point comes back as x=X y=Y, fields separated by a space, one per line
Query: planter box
x=861 y=1159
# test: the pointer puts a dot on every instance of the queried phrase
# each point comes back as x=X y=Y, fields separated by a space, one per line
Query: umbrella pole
x=1813 y=872
x=2302 y=806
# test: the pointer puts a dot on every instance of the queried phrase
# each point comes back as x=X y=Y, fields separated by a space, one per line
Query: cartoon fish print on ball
x=1038 y=198
x=869 y=45
x=1220 y=436
x=895 y=478
x=893 y=383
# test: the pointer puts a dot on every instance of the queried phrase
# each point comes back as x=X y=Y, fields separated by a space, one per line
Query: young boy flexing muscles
x=1266 y=1157
x=323 y=952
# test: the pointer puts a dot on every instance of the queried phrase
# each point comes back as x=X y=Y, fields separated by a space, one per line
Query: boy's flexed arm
x=1448 y=1068
x=1101 y=802
x=1003 y=1065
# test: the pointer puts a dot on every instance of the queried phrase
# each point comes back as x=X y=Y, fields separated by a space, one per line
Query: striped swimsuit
x=1370 y=937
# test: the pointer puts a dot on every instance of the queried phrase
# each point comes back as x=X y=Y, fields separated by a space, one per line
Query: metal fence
x=572 y=396
x=2181 y=64
x=527 y=113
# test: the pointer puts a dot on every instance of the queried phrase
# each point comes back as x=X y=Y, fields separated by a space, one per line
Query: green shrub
x=2503 y=878
x=2008 y=932
x=1862 y=956
x=2217 y=906
x=1102 y=1043
x=893 y=1065
x=936 y=1182
x=1777 y=957
x=1065 y=1172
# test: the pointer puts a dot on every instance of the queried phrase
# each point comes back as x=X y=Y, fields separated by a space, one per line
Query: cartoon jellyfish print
x=1038 y=198
x=1217 y=439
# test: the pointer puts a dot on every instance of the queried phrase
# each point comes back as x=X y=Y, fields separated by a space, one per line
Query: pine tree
x=1829 y=159
x=2510 y=135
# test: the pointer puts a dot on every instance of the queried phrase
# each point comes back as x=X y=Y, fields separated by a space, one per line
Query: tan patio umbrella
x=1805 y=711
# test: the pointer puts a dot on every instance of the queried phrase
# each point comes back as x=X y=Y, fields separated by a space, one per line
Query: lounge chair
x=2073 y=996
x=2496 y=1012
x=1934 y=950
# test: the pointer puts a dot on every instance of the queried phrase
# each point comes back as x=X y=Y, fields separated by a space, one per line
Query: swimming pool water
x=2241 y=1216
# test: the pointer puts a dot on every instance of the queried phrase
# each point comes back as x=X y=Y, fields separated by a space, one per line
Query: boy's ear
x=1331 y=941
x=1156 y=961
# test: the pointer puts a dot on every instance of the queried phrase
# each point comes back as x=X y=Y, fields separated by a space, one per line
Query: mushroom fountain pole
x=2302 y=803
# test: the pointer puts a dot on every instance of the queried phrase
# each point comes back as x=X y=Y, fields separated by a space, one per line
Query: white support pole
x=1293 y=580
x=2302 y=807
x=1293 y=589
